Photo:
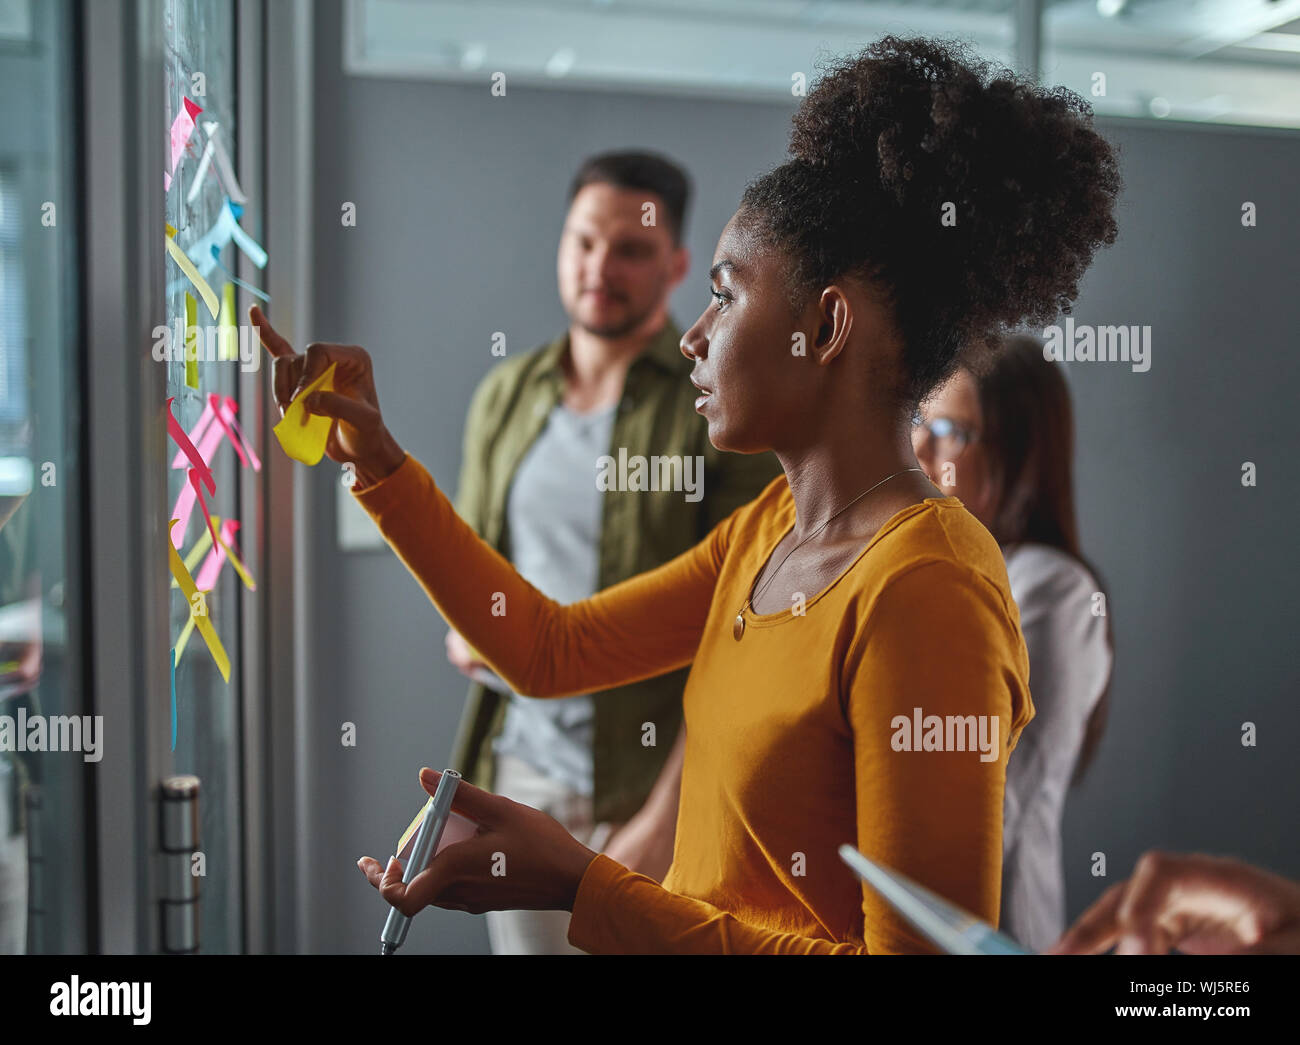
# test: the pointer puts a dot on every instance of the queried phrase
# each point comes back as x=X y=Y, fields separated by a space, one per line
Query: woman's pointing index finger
x=275 y=344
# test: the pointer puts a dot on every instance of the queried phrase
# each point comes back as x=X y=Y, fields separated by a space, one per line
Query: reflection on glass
x=43 y=841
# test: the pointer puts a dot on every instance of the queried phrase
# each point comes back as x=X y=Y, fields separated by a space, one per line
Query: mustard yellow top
x=801 y=736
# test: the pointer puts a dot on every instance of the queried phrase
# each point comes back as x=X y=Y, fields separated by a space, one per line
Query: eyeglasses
x=950 y=438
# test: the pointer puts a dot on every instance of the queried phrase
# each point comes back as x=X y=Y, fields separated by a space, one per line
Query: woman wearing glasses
x=842 y=290
x=1002 y=442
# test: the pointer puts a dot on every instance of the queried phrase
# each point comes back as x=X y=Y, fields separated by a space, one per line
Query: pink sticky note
x=208 y=435
x=198 y=473
x=182 y=440
x=216 y=557
x=185 y=500
x=193 y=476
x=218 y=411
x=208 y=444
x=230 y=407
x=182 y=128
x=196 y=437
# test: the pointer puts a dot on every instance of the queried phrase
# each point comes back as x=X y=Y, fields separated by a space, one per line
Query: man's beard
x=620 y=329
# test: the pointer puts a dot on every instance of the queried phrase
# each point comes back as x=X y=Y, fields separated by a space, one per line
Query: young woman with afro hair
x=858 y=672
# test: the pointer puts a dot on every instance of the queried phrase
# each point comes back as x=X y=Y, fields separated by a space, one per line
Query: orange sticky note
x=306 y=442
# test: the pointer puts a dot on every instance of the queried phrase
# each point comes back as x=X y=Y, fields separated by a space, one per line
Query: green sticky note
x=192 y=336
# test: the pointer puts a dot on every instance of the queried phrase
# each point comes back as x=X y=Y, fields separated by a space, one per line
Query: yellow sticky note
x=192 y=335
x=202 y=621
x=228 y=333
x=179 y=648
x=240 y=568
x=306 y=442
x=183 y=262
x=195 y=554
x=414 y=826
x=192 y=559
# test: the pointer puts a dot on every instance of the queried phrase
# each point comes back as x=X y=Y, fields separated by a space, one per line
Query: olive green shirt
x=641 y=529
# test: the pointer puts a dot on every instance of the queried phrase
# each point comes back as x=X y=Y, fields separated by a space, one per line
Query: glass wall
x=210 y=213
x=50 y=742
x=47 y=748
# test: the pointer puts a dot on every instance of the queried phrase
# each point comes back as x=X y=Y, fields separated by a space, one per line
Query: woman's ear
x=834 y=324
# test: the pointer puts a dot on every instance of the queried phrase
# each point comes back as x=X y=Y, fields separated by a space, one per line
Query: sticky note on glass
x=192 y=335
x=186 y=583
x=228 y=338
x=183 y=262
x=306 y=442
x=182 y=128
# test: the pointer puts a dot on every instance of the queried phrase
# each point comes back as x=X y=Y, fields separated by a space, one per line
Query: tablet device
x=949 y=928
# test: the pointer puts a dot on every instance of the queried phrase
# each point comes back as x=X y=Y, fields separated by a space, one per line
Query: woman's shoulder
x=934 y=574
x=937 y=552
x=941 y=531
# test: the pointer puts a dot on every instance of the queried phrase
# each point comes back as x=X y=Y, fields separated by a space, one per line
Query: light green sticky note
x=229 y=337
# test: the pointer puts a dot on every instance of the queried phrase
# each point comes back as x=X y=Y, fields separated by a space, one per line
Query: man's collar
x=664 y=350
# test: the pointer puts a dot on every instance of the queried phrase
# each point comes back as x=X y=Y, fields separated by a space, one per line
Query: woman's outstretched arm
x=647 y=625
x=644 y=626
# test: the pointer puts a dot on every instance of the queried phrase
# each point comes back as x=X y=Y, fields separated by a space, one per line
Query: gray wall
x=460 y=198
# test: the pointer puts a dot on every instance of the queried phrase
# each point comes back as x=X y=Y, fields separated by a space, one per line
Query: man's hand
x=360 y=436
x=520 y=860
x=462 y=655
x=1197 y=904
x=645 y=843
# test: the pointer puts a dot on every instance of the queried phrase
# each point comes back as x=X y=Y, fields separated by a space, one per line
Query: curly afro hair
x=884 y=142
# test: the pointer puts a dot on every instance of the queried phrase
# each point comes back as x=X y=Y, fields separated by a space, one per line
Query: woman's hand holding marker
x=520 y=860
x=359 y=437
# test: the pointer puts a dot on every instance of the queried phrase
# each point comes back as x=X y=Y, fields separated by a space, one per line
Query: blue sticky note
x=171 y=657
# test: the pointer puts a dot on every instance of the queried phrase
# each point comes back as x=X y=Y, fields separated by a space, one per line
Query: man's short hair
x=646 y=171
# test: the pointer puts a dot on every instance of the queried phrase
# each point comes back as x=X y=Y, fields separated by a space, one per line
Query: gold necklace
x=738 y=627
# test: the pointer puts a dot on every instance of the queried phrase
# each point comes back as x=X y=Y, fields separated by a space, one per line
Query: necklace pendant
x=738 y=628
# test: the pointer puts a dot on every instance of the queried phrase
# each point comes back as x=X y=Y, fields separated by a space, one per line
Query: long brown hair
x=1028 y=432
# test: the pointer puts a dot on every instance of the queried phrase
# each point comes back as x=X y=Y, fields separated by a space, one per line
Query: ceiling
x=1222 y=61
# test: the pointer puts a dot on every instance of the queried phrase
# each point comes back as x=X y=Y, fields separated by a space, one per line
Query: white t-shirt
x=554 y=519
